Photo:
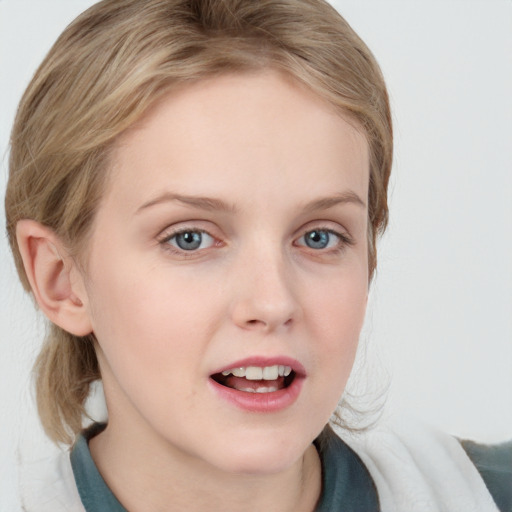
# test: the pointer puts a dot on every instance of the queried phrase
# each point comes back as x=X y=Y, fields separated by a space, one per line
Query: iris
x=317 y=239
x=189 y=240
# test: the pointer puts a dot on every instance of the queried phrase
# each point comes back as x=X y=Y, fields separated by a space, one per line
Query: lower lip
x=260 y=402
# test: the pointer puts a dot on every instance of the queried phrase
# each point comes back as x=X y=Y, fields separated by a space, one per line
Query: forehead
x=233 y=132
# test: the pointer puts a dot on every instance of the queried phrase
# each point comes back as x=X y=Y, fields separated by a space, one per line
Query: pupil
x=317 y=239
x=189 y=241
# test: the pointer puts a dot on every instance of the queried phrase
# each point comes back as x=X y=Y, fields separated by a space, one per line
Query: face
x=227 y=275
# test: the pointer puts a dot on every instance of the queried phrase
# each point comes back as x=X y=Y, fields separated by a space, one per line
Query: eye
x=190 y=240
x=320 y=239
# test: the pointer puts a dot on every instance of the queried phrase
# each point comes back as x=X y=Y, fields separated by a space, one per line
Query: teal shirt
x=93 y=491
x=346 y=483
x=494 y=462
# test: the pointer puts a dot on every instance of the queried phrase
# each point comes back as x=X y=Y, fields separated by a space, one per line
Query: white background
x=440 y=322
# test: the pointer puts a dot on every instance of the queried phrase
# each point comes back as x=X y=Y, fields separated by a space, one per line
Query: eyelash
x=168 y=236
x=344 y=241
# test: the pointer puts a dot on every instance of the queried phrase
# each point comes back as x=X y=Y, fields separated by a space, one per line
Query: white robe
x=419 y=469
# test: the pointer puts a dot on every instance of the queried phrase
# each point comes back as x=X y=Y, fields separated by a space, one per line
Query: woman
x=195 y=193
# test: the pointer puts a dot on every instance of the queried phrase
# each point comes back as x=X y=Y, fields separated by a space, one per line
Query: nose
x=266 y=299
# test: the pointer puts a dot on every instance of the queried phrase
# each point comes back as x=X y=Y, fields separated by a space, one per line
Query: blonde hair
x=104 y=72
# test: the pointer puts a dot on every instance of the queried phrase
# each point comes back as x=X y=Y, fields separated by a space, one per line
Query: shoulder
x=48 y=485
x=417 y=468
x=494 y=463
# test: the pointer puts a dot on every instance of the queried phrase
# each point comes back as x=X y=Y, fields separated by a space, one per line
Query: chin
x=273 y=454
x=258 y=465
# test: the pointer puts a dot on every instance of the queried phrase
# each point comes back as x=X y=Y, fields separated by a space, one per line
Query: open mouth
x=256 y=379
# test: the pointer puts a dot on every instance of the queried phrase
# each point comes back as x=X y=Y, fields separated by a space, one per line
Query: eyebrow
x=203 y=203
x=213 y=204
x=325 y=203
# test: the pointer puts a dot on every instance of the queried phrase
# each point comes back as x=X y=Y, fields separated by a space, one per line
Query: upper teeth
x=260 y=373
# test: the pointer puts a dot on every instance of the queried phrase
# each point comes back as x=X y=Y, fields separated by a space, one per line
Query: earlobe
x=49 y=269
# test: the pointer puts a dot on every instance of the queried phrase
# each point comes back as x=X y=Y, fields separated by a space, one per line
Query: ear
x=55 y=280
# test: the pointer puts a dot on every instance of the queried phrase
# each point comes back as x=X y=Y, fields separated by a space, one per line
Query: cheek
x=147 y=319
x=339 y=324
x=340 y=297
x=337 y=313
x=144 y=334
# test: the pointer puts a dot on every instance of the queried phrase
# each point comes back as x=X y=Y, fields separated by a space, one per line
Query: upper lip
x=263 y=361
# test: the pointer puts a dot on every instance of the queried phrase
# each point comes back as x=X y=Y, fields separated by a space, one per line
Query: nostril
x=255 y=323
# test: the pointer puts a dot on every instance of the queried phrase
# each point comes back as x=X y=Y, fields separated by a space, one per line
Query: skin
x=165 y=318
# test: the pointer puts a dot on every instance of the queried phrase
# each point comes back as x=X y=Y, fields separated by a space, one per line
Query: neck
x=179 y=482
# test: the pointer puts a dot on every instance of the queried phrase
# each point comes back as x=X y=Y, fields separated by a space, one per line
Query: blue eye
x=320 y=239
x=191 y=240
